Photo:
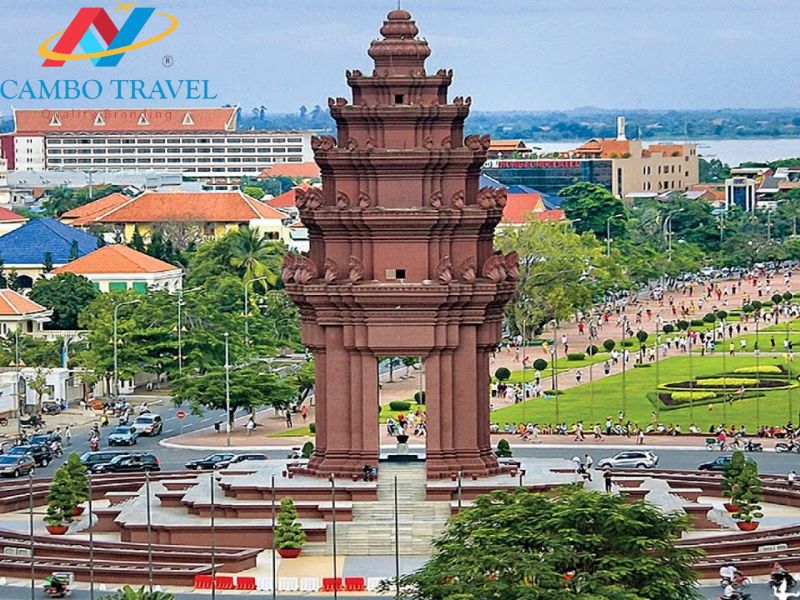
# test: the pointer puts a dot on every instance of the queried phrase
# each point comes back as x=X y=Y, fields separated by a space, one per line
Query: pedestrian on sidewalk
x=68 y=435
x=288 y=418
x=304 y=412
x=578 y=376
x=790 y=479
x=607 y=479
x=251 y=424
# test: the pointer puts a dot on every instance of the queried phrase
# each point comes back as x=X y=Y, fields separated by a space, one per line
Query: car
x=124 y=435
x=128 y=463
x=219 y=460
x=41 y=453
x=45 y=439
x=632 y=459
x=719 y=463
x=16 y=465
x=247 y=457
x=148 y=424
x=90 y=459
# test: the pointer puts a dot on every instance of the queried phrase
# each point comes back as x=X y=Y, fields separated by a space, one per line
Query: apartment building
x=202 y=143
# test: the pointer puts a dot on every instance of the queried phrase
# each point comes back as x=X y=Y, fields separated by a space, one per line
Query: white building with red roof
x=20 y=313
x=118 y=268
x=200 y=142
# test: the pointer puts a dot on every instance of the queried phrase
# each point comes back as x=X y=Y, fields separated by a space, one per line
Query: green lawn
x=387 y=412
x=561 y=365
x=608 y=398
x=296 y=432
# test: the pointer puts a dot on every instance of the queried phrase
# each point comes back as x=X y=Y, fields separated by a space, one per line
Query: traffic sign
x=180 y=414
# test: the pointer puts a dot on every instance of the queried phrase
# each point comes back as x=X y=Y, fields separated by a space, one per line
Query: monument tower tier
x=401 y=262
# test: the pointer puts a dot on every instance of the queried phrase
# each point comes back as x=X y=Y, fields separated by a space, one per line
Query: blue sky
x=508 y=55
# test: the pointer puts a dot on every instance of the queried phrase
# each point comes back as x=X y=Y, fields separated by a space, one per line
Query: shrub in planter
x=787 y=296
x=627 y=343
x=760 y=370
x=128 y=593
x=730 y=475
x=576 y=356
x=683 y=325
x=609 y=345
x=312 y=427
x=308 y=450
x=419 y=397
x=692 y=396
x=78 y=477
x=540 y=364
x=60 y=501
x=668 y=328
x=747 y=495
x=642 y=336
x=288 y=535
x=503 y=449
x=756 y=304
x=767 y=304
x=710 y=318
x=399 y=405
x=592 y=350
x=502 y=374
x=777 y=298
x=697 y=322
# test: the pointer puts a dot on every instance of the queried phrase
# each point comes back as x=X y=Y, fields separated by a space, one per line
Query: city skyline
x=558 y=56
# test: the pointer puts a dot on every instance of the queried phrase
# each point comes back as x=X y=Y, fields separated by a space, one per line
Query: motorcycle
x=56 y=449
x=94 y=444
x=51 y=408
x=790 y=447
x=3 y=421
x=776 y=578
x=740 y=581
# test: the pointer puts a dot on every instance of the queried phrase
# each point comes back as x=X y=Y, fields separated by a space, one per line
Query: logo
x=118 y=41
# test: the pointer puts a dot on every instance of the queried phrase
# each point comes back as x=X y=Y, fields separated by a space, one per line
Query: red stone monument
x=401 y=262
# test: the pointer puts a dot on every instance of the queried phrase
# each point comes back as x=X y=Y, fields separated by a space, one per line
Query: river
x=732 y=152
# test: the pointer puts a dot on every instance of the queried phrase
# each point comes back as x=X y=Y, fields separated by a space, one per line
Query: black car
x=101 y=457
x=212 y=461
x=41 y=453
x=131 y=463
x=14 y=466
x=44 y=438
x=719 y=463
x=250 y=456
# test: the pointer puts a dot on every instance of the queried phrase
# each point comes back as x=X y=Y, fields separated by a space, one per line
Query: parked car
x=123 y=435
x=718 y=464
x=101 y=457
x=16 y=465
x=632 y=459
x=249 y=456
x=41 y=453
x=129 y=463
x=148 y=424
x=44 y=438
x=212 y=461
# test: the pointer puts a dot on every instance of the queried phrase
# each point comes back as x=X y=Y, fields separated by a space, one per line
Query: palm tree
x=257 y=255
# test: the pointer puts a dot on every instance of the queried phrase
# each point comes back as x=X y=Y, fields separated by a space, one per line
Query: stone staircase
x=372 y=530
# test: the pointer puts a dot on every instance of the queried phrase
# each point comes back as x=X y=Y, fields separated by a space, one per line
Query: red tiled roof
x=603 y=148
x=287 y=199
x=548 y=215
x=115 y=259
x=507 y=145
x=518 y=205
x=9 y=216
x=189 y=207
x=124 y=120
x=14 y=304
x=306 y=170
x=83 y=215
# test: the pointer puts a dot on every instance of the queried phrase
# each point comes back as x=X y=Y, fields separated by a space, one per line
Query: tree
x=594 y=205
x=560 y=272
x=254 y=192
x=60 y=499
x=257 y=256
x=289 y=534
x=47 y=262
x=251 y=387
x=747 y=493
x=66 y=295
x=522 y=545
x=137 y=241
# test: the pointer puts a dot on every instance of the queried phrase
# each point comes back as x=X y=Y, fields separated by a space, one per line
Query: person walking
x=607 y=480
x=68 y=435
x=288 y=418
x=304 y=412
x=578 y=376
x=790 y=479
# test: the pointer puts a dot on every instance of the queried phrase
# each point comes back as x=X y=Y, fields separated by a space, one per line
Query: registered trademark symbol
x=167 y=61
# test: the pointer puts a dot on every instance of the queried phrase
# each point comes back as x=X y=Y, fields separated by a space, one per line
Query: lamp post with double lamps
x=116 y=343
x=247 y=307
x=180 y=325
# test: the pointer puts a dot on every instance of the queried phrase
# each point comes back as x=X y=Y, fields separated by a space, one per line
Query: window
x=234 y=140
x=295 y=159
x=173 y=160
x=262 y=140
x=295 y=140
x=117 y=286
x=188 y=141
x=264 y=150
x=173 y=141
x=140 y=287
x=189 y=151
x=96 y=285
x=204 y=170
x=144 y=160
x=395 y=273
x=248 y=150
x=99 y=161
x=235 y=170
x=295 y=149
x=249 y=160
x=204 y=150
x=159 y=150
x=157 y=140
x=218 y=160
x=279 y=141
x=218 y=140
x=218 y=150
x=279 y=149
x=128 y=141
x=203 y=160
x=128 y=161
x=173 y=150
x=399 y=99
x=55 y=151
x=202 y=140
x=129 y=151
x=218 y=169
x=159 y=160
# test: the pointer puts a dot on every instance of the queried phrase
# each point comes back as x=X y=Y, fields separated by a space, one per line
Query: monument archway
x=401 y=261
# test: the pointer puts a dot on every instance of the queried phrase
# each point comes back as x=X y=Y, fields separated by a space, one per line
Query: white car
x=632 y=459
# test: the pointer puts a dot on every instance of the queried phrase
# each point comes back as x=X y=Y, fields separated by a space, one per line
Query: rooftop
x=306 y=170
x=13 y=303
x=186 y=207
x=115 y=258
x=84 y=215
x=28 y=244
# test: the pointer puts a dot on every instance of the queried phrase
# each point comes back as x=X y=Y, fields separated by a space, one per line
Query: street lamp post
x=180 y=326
x=247 y=307
x=668 y=231
x=116 y=356
x=608 y=232
x=227 y=388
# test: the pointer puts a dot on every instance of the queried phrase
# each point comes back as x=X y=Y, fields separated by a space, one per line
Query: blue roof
x=28 y=244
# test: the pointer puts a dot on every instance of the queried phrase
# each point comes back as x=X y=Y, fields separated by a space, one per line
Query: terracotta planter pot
x=78 y=511
x=289 y=552
x=732 y=508
x=751 y=526
x=56 y=530
x=474 y=478
x=453 y=477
